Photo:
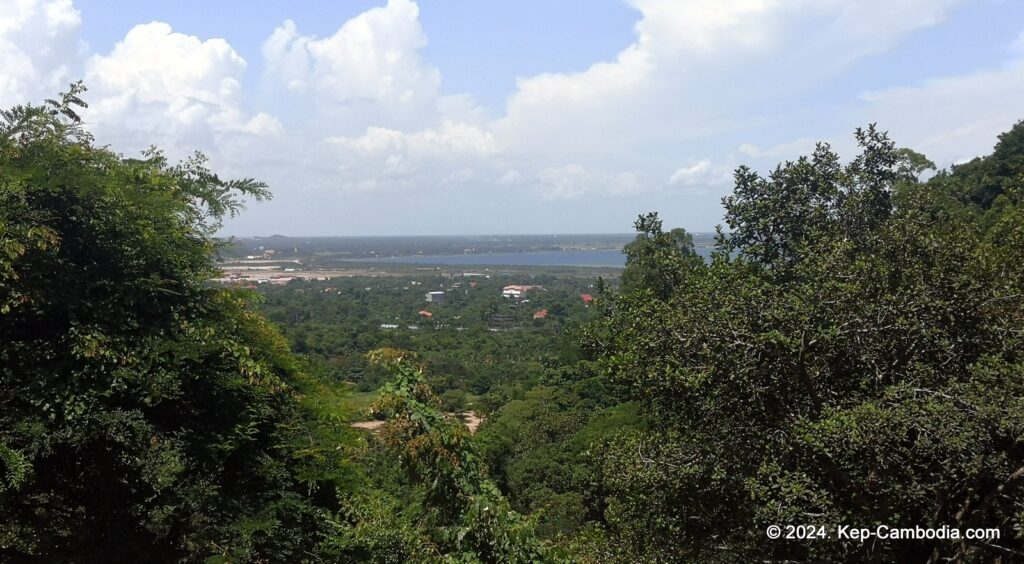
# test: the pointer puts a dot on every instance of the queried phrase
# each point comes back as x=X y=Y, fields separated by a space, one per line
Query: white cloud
x=39 y=47
x=450 y=140
x=367 y=115
x=691 y=175
x=390 y=160
x=788 y=150
x=626 y=183
x=157 y=84
x=564 y=183
x=369 y=73
x=701 y=68
x=701 y=176
x=155 y=64
x=951 y=119
x=509 y=178
x=374 y=108
x=573 y=182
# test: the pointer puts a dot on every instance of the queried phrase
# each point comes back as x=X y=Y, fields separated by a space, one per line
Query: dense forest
x=851 y=354
x=476 y=343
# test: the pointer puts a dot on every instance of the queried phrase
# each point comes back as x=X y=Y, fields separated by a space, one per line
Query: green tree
x=913 y=164
x=468 y=518
x=850 y=359
x=144 y=415
x=981 y=181
x=656 y=260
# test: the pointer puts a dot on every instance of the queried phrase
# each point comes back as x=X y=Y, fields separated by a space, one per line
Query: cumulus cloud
x=389 y=160
x=573 y=182
x=700 y=68
x=368 y=73
x=951 y=119
x=701 y=176
x=450 y=140
x=374 y=108
x=39 y=48
x=367 y=114
x=176 y=88
x=787 y=150
x=695 y=70
x=565 y=183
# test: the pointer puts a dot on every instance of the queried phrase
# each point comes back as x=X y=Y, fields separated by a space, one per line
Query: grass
x=339 y=402
x=356 y=404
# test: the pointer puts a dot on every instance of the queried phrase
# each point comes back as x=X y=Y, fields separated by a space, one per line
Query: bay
x=607 y=258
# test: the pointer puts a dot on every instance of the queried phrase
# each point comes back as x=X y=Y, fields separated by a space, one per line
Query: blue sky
x=462 y=117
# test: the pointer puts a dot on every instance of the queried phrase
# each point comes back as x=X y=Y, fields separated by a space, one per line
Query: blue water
x=605 y=258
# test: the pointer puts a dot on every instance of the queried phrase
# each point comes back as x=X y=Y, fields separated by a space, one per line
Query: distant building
x=425 y=313
x=517 y=290
x=389 y=326
x=587 y=298
x=435 y=297
x=540 y=314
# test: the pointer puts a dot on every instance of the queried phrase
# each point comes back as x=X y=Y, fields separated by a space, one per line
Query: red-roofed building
x=425 y=313
x=540 y=314
x=587 y=298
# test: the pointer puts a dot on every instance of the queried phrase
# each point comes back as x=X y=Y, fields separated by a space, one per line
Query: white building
x=518 y=290
x=435 y=297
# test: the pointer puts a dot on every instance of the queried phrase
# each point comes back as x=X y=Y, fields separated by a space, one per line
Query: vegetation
x=148 y=415
x=145 y=415
x=847 y=357
x=479 y=347
x=850 y=355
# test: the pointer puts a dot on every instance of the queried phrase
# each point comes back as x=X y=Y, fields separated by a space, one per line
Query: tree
x=982 y=180
x=144 y=414
x=912 y=164
x=849 y=359
x=656 y=261
x=468 y=517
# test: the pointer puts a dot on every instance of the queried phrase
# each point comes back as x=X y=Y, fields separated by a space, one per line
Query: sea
x=594 y=258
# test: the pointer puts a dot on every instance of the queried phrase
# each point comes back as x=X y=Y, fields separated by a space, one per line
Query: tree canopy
x=145 y=414
x=150 y=415
x=851 y=355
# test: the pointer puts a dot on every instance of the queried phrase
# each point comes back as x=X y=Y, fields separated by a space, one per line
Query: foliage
x=539 y=448
x=337 y=322
x=145 y=415
x=469 y=518
x=984 y=181
x=846 y=358
x=657 y=260
x=850 y=355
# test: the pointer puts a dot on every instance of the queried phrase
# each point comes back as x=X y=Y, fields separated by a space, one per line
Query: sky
x=397 y=117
